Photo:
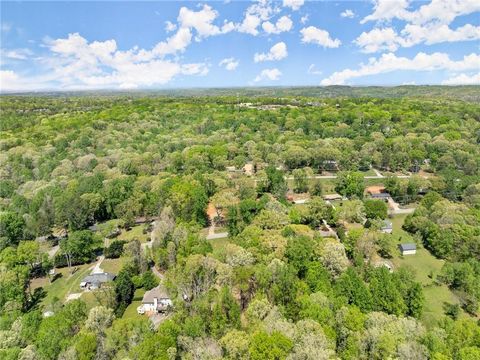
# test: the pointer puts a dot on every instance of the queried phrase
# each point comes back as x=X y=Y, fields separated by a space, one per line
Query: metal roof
x=406 y=247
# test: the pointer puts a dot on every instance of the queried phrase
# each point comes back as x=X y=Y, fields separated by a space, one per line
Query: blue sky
x=169 y=44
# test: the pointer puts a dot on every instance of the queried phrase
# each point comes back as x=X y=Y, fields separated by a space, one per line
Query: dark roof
x=382 y=195
x=99 y=278
x=406 y=247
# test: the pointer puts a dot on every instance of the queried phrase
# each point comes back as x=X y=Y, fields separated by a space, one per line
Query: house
x=387 y=227
x=408 y=249
x=95 y=281
x=378 y=192
x=155 y=301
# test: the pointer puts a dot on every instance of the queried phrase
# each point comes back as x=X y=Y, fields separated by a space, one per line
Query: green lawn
x=113 y=265
x=131 y=311
x=423 y=265
x=219 y=243
x=136 y=232
x=66 y=284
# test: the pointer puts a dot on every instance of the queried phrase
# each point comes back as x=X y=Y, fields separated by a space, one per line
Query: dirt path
x=217 y=236
x=51 y=253
x=378 y=173
x=157 y=273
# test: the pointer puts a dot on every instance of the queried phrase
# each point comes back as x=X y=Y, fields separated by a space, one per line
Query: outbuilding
x=387 y=227
x=408 y=249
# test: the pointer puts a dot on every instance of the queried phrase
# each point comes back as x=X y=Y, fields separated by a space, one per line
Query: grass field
x=423 y=265
x=136 y=232
x=66 y=284
x=113 y=265
x=131 y=311
x=219 y=243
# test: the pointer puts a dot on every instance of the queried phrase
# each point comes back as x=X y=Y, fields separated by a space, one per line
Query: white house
x=155 y=301
x=408 y=249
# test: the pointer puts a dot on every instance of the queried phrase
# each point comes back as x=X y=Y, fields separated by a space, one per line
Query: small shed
x=387 y=227
x=408 y=249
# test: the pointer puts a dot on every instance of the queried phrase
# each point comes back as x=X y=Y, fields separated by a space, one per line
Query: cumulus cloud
x=255 y=14
x=230 y=64
x=463 y=79
x=75 y=63
x=283 y=24
x=388 y=39
x=269 y=74
x=318 y=36
x=169 y=26
x=439 y=11
x=293 y=4
x=390 y=62
x=304 y=19
x=202 y=21
x=277 y=52
x=347 y=14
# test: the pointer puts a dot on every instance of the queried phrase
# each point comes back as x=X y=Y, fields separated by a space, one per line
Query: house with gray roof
x=95 y=281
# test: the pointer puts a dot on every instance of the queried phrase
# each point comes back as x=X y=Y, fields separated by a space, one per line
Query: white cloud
x=463 y=79
x=169 y=26
x=269 y=74
x=257 y=13
x=249 y=25
x=277 y=52
x=202 y=22
x=178 y=42
x=283 y=24
x=304 y=19
x=320 y=37
x=312 y=70
x=230 y=64
x=390 y=62
x=388 y=39
x=439 y=11
x=347 y=14
x=387 y=10
x=293 y=4
x=15 y=54
x=378 y=39
x=75 y=63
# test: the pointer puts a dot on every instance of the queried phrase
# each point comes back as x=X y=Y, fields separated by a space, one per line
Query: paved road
x=378 y=176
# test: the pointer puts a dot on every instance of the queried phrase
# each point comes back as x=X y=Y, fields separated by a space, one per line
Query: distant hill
x=469 y=93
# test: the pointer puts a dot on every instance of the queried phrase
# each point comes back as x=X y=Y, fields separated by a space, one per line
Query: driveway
x=97 y=269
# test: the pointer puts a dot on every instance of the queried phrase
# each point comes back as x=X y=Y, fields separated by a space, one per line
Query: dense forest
x=273 y=219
